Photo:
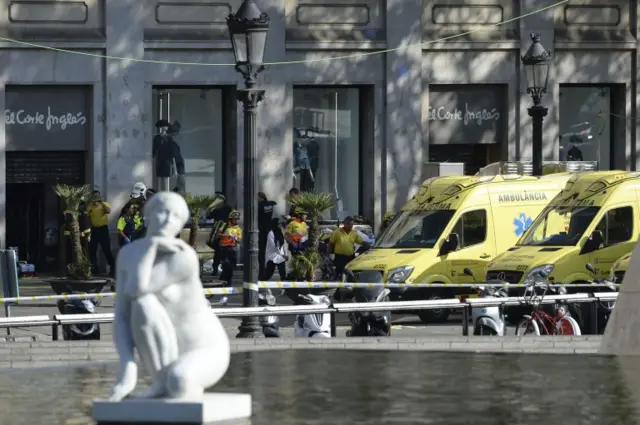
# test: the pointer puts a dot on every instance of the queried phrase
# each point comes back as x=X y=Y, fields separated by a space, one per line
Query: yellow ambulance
x=619 y=268
x=595 y=219
x=456 y=223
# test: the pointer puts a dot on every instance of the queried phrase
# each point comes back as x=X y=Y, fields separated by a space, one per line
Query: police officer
x=265 y=214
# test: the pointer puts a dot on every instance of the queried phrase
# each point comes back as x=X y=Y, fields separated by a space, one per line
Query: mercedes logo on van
x=502 y=276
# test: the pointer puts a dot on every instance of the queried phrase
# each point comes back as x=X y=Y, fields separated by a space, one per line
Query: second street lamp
x=536 y=68
x=248 y=29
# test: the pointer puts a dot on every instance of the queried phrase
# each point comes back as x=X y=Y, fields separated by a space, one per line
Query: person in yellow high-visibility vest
x=229 y=236
x=297 y=232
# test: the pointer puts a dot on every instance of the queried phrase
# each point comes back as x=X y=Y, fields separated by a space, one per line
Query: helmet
x=234 y=214
x=299 y=211
x=138 y=190
x=388 y=216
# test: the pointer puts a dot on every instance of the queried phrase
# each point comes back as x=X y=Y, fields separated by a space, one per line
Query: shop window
x=585 y=124
x=197 y=156
x=471 y=228
x=616 y=226
x=326 y=137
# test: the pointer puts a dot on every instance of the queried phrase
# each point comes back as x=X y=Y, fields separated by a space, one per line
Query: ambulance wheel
x=439 y=315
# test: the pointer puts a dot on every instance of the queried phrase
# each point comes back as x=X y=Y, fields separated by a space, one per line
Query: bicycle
x=561 y=323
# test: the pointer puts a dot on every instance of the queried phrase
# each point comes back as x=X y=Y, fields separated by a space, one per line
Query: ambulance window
x=616 y=226
x=472 y=228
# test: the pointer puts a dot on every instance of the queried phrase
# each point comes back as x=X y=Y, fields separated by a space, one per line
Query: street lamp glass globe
x=536 y=64
x=248 y=29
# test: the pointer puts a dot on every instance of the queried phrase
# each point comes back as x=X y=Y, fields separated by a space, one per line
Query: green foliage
x=79 y=269
x=72 y=196
x=305 y=265
x=197 y=204
x=315 y=203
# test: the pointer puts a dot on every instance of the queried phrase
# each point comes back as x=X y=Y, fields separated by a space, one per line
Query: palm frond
x=198 y=203
x=315 y=203
x=305 y=264
x=72 y=196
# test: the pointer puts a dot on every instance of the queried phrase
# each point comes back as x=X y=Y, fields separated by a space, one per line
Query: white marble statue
x=161 y=311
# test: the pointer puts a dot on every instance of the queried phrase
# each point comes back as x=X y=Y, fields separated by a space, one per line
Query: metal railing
x=455 y=304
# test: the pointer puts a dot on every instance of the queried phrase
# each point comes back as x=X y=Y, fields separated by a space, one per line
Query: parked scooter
x=369 y=323
x=313 y=325
x=80 y=331
x=270 y=324
x=488 y=320
x=606 y=307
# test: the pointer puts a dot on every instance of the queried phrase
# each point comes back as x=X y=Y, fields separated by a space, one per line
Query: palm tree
x=304 y=265
x=72 y=197
x=314 y=204
x=197 y=204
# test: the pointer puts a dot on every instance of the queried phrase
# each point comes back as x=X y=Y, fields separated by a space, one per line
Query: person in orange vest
x=229 y=237
x=297 y=232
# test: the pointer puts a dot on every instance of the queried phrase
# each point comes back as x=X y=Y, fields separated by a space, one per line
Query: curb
x=17 y=355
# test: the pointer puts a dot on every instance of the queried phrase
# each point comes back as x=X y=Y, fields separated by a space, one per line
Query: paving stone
x=430 y=346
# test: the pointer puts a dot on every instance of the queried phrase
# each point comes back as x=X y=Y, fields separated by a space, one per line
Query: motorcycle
x=489 y=320
x=80 y=331
x=313 y=325
x=270 y=324
x=369 y=323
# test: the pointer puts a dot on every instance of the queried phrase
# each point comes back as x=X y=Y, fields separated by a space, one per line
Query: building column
x=543 y=23
x=128 y=126
x=275 y=114
x=404 y=148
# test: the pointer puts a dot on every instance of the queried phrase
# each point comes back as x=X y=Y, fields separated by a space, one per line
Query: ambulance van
x=595 y=219
x=619 y=268
x=456 y=223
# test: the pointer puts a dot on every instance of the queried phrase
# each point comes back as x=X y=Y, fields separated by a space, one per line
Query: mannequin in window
x=174 y=133
x=162 y=152
x=301 y=162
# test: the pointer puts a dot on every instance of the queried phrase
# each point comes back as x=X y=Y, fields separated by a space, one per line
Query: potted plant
x=79 y=277
x=306 y=264
x=197 y=204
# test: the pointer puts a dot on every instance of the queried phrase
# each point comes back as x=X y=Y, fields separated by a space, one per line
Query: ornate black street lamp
x=536 y=68
x=248 y=29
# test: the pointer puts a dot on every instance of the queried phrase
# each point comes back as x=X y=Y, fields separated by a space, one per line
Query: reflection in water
x=371 y=387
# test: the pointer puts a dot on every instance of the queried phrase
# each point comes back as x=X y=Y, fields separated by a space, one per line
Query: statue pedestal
x=210 y=409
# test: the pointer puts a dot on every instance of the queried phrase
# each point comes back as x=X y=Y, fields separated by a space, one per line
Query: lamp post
x=536 y=68
x=248 y=29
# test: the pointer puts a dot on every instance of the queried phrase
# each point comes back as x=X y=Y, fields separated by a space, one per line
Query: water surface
x=370 y=387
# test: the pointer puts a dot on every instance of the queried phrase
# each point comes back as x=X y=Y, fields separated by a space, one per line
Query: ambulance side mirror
x=450 y=244
x=594 y=242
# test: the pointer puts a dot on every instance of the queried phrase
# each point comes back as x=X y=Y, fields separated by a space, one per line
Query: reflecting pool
x=371 y=387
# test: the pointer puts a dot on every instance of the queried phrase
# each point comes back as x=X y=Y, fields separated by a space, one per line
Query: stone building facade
x=367 y=121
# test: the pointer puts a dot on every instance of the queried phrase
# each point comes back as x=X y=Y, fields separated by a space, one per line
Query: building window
x=196 y=133
x=585 y=124
x=326 y=137
x=467 y=123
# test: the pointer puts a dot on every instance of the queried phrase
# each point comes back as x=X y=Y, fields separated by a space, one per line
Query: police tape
x=99 y=296
x=335 y=285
